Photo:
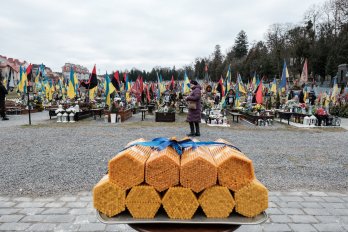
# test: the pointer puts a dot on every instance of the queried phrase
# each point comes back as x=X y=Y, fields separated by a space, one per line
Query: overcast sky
x=118 y=35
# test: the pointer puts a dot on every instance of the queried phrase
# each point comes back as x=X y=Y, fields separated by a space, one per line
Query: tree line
x=322 y=38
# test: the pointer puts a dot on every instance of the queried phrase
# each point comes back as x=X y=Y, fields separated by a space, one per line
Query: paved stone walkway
x=288 y=211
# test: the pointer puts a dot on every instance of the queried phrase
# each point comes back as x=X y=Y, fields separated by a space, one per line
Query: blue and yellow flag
x=228 y=79
x=186 y=85
x=285 y=75
x=72 y=85
x=109 y=89
x=240 y=84
x=274 y=86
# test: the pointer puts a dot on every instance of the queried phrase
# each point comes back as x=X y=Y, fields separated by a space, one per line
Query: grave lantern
x=306 y=120
x=65 y=117
x=59 y=117
x=312 y=120
x=71 y=116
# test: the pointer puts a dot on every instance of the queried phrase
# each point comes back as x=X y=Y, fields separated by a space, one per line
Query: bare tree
x=314 y=13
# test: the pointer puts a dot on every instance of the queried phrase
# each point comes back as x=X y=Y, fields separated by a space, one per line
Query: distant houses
x=81 y=71
x=8 y=65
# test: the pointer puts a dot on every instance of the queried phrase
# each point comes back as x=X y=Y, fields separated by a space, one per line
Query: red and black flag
x=258 y=98
x=220 y=88
x=29 y=72
x=116 y=81
x=92 y=82
x=172 y=83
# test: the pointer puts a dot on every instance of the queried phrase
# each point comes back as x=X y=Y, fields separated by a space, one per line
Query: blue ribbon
x=179 y=146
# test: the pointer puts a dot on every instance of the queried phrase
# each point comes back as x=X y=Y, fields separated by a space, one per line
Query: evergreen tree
x=216 y=64
x=240 y=47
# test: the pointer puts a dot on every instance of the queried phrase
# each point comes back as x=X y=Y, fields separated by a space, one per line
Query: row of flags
x=70 y=88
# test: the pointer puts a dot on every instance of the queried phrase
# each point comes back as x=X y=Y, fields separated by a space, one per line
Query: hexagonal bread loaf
x=180 y=203
x=143 y=201
x=162 y=169
x=216 y=202
x=108 y=198
x=127 y=168
x=198 y=169
x=252 y=199
x=235 y=170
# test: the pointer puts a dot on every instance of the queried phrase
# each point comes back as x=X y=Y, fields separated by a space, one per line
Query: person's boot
x=198 y=133
x=192 y=128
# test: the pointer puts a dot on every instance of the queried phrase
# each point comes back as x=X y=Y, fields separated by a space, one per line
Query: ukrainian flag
x=72 y=86
x=186 y=87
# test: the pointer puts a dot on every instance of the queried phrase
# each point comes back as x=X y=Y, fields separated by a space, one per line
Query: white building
x=81 y=72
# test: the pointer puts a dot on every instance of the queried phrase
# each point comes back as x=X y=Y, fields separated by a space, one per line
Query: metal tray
x=199 y=218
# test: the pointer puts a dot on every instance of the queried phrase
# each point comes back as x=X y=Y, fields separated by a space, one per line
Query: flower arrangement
x=166 y=109
x=258 y=108
x=115 y=108
x=303 y=105
x=207 y=104
x=320 y=111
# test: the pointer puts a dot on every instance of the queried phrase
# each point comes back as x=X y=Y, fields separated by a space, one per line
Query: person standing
x=230 y=99
x=194 y=108
x=3 y=92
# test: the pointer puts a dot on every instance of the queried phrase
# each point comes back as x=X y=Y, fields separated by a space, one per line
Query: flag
x=115 y=81
x=237 y=101
x=92 y=82
x=29 y=72
x=285 y=75
x=334 y=90
x=172 y=83
x=92 y=92
x=304 y=74
x=228 y=79
x=71 y=87
x=127 y=86
x=49 y=90
x=76 y=83
x=22 y=86
x=259 y=93
x=107 y=89
x=186 y=85
x=254 y=81
x=37 y=77
x=240 y=84
x=305 y=94
x=274 y=86
x=220 y=88
x=159 y=86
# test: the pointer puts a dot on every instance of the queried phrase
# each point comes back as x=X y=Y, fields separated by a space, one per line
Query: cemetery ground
x=49 y=169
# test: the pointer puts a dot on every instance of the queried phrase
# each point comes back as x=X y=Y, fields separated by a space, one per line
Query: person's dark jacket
x=3 y=92
x=195 y=96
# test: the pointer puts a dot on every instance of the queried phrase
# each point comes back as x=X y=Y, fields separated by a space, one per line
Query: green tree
x=215 y=66
x=240 y=47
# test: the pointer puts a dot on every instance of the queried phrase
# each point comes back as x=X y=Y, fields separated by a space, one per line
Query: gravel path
x=52 y=158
